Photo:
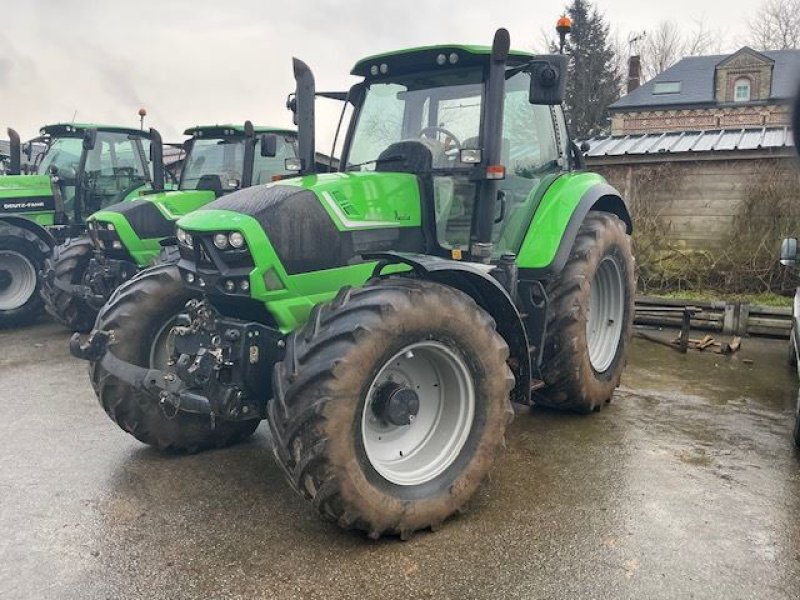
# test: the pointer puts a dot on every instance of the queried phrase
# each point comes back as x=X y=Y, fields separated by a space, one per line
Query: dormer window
x=742 y=90
x=667 y=87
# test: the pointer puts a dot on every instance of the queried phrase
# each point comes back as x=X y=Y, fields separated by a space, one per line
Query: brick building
x=743 y=90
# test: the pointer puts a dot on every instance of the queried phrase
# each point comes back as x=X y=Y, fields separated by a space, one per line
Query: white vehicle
x=791 y=258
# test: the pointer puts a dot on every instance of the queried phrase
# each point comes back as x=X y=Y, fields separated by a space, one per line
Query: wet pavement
x=687 y=486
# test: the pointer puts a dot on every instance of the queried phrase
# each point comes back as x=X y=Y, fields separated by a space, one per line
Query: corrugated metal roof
x=715 y=140
x=696 y=75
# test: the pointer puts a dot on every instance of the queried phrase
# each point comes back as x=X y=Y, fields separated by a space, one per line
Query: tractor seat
x=211 y=183
x=408 y=156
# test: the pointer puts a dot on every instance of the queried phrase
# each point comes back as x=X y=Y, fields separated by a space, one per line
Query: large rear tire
x=390 y=405
x=590 y=318
x=68 y=263
x=21 y=259
x=140 y=314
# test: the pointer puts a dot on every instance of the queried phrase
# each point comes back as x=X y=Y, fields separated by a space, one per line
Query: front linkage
x=216 y=366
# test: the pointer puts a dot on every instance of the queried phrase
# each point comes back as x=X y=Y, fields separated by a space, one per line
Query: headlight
x=221 y=241
x=184 y=238
x=236 y=240
x=228 y=240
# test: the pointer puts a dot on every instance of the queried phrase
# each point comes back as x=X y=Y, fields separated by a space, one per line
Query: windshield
x=218 y=163
x=441 y=110
x=64 y=153
x=214 y=159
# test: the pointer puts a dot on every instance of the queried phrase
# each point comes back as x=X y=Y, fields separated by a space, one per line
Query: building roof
x=680 y=142
x=696 y=74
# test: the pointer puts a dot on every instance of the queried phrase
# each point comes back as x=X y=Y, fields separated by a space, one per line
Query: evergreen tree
x=594 y=82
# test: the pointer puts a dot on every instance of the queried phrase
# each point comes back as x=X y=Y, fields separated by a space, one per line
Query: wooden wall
x=699 y=199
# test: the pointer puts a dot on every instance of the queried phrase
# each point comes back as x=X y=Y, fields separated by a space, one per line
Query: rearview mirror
x=548 y=80
x=269 y=145
x=89 y=139
x=789 y=256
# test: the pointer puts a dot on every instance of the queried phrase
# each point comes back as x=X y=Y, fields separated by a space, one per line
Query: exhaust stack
x=157 y=156
x=15 y=166
x=304 y=115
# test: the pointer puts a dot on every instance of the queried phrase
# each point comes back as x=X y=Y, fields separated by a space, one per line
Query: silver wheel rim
x=606 y=313
x=161 y=350
x=419 y=452
x=22 y=276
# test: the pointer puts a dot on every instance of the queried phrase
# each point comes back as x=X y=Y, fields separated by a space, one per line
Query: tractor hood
x=321 y=222
x=26 y=193
x=351 y=201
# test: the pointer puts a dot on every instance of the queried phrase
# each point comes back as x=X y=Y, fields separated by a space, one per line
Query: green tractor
x=384 y=318
x=84 y=168
x=128 y=236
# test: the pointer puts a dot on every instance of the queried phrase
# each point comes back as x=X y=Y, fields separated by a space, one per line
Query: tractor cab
x=94 y=165
x=433 y=113
x=225 y=158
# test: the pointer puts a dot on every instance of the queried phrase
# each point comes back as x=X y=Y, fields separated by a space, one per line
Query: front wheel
x=590 y=318
x=140 y=314
x=390 y=405
x=67 y=264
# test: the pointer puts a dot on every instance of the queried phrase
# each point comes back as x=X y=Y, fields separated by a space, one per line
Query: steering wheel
x=434 y=129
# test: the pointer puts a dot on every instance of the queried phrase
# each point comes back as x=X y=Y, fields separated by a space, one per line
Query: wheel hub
x=395 y=404
x=418 y=413
x=17 y=280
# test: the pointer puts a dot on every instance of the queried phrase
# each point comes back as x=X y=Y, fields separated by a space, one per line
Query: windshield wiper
x=376 y=161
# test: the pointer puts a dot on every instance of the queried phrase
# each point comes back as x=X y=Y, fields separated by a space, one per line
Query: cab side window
x=532 y=154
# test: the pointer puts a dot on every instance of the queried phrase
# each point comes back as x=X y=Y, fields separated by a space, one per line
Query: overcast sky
x=201 y=61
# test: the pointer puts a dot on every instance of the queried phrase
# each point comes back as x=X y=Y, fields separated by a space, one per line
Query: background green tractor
x=384 y=318
x=125 y=237
x=84 y=168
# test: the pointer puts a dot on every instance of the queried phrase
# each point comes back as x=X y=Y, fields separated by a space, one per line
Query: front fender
x=477 y=282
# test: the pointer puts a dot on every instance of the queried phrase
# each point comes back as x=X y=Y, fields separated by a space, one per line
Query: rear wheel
x=385 y=415
x=20 y=262
x=590 y=318
x=140 y=314
x=68 y=263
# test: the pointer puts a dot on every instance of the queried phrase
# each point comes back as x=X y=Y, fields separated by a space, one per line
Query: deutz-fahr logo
x=26 y=204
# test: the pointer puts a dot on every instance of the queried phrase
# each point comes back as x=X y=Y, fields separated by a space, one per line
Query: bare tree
x=776 y=25
x=668 y=43
x=662 y=48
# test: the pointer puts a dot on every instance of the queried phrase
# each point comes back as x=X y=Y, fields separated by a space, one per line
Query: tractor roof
x=227 y=129
x=425 y=58
x=62 y=129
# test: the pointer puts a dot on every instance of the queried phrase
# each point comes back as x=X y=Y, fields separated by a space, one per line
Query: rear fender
x=538 y=263
x=27 y=229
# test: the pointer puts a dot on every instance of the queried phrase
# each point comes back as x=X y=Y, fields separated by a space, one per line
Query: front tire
x=139 y=314
x=590 y=318
x=68 y=263
x=21 y=259
x=390 y=405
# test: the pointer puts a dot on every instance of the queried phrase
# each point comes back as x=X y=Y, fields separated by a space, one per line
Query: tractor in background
x=382 y=319
x=125 y=237
x=83 y=168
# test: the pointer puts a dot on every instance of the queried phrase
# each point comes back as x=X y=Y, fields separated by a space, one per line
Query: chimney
x=634 y=72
